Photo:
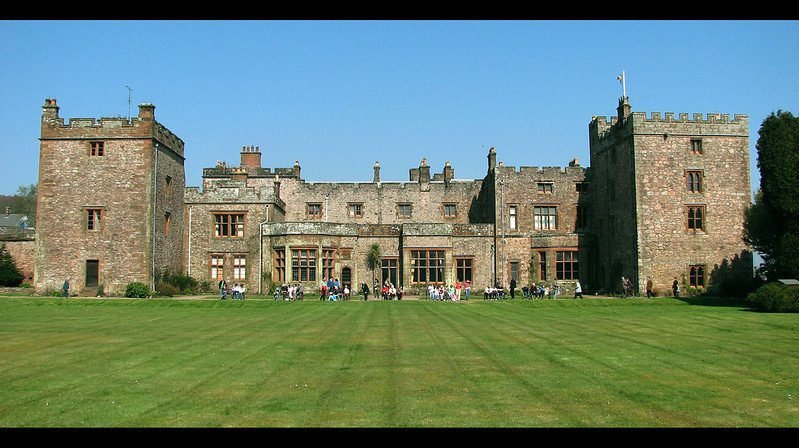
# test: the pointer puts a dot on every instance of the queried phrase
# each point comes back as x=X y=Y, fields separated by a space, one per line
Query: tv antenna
x=129 y=90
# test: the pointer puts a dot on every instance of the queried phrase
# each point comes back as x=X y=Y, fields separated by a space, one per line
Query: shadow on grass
x=714 y=301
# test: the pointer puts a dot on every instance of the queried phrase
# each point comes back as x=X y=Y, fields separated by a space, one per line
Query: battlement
x=223 y=170
x=541 y=173
x=235 y=191
x=143 y=126
x=713 y=123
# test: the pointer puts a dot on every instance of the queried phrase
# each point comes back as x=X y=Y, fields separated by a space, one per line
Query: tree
x=772 y=222
x=373 y=259
x=22 y=202
x=9 y=274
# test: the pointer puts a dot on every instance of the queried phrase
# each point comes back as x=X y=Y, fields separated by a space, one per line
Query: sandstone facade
x=625 y=215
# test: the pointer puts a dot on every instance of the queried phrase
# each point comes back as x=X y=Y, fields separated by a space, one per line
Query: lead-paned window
x=546 y=217
x=427 y=266
x=229 y=225
x=567 y=265
x=303 y=265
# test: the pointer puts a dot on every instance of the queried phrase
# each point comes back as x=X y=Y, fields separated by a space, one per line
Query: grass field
x=261 y=363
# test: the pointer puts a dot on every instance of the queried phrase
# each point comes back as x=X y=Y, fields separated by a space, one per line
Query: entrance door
x=346 y=276
x=92 y=272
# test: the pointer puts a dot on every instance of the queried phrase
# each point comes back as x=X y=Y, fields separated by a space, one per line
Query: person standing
x=300 y=292
x=675 y=288
x=578 y=290
x=630 y=291
x=223 y=289
x=649 y=292
x=65 y=288
x=468 y=289
x=365 y=290
x=623 y=286
x=458 y=287
x=512 y=288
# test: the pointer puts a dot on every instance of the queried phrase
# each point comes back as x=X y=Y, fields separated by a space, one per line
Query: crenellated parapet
x=107 y=128
x=231 y=191
x=511 y=173
x=602 y=129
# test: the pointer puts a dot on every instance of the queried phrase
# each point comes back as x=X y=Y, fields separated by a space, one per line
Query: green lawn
x=262 y=363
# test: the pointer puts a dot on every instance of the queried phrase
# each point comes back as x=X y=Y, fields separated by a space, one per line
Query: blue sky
x=338 y=95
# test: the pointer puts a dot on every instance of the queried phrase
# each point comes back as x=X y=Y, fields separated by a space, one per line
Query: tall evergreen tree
x=9 y=274
x=772 y=222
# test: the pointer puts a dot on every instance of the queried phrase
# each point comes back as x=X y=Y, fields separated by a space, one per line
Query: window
x=514 y=270
x=542 y=265
x=228 y=225
x=314 y=210
x=696 y=146
x=168 y=188
x=566 y=265
x=463 y=269
x=582 y=187
x=582 y=217
x=388 y=269
x=696 y=214
x=355 y=210
x=546 y=217
x=167 y=222
x=450 y=210
x=328 y=263
x=693 y=180
x=97 y=149
x=696 y=276
x=545 y=187
x=239 y=267
x=93 y=218
x=512 y=216
x=427 y=266
x=217 y=266
x=303 y=265
x=280 y=266
x=404 y=210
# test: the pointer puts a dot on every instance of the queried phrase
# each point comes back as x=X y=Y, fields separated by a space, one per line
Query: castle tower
x=110 y=202
x=669 y=196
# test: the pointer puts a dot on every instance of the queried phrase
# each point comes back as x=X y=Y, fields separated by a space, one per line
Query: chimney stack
x=250 y=157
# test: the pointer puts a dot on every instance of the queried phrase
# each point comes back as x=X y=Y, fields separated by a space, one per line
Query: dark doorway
x=346 y=276
x=92 y=272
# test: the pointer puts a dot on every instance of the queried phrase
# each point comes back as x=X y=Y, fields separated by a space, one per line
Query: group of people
x=294 y=291
x=458 y=291
x=332 y=290
x=236 y=292
x=390 y=292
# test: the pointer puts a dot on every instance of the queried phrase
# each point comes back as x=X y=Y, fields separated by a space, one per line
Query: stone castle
x=664 y=197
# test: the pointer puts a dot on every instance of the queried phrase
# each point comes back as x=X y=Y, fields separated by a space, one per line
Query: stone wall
x=23 y=253
x=641 y=226
x=663 y=155
x=120 y=184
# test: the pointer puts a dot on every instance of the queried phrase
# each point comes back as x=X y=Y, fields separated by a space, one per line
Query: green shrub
x=26 y=285
x=137 y=289
x=9 y=274
x=185 y=284
x=205 y=287
x=774 y=297
x=165 y=289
